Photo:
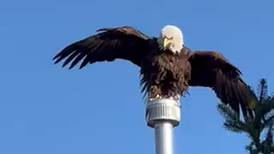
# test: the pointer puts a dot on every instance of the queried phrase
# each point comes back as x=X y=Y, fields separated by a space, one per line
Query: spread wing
x=210 y=69
x=109 y=44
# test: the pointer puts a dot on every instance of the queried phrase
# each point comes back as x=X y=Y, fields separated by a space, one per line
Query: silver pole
x=164 y=138
x=163 y=115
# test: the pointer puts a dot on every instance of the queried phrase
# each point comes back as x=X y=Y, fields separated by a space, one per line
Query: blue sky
x=45 y=109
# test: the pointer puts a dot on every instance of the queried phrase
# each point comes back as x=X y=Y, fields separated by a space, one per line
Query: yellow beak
x=166 y=43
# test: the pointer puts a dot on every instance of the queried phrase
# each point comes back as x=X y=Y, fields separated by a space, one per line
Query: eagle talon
x=157 y=97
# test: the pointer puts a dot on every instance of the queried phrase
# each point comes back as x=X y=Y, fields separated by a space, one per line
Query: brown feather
x=108 y=45
x=210 y=69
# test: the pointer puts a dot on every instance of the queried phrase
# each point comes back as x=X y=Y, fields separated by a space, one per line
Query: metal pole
x=164 y=138
x=163 y=115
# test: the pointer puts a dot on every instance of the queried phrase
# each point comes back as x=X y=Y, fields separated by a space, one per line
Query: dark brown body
x=165 y=74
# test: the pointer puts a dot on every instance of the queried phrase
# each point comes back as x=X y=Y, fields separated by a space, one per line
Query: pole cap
x=165 y=109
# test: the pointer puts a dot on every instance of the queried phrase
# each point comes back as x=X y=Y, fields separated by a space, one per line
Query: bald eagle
x=167 y=67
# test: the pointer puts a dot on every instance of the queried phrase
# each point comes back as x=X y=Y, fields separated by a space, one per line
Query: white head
x=171 y=37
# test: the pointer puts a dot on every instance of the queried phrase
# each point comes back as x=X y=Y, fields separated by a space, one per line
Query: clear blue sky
x=45 y=109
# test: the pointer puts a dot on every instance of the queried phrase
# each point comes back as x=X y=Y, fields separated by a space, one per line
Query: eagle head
x=171 y=38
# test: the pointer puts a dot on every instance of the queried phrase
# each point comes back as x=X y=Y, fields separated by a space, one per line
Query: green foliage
x=260 y=128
